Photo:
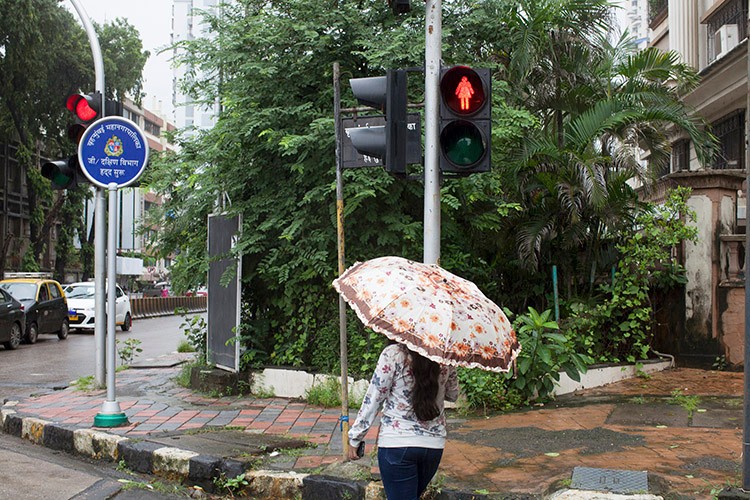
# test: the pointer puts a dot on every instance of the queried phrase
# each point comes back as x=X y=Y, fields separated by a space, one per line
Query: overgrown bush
x=544 y=354
x=618 y=328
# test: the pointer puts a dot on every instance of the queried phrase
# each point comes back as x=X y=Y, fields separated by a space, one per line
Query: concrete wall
x=698 y=258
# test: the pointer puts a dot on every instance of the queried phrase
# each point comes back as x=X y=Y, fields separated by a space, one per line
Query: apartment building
x=707 y=322
x=187 y=25
x=633 y=15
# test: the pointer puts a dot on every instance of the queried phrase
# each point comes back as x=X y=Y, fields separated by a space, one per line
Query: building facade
x=187 y=25
x=634 y=17
x=711 y=36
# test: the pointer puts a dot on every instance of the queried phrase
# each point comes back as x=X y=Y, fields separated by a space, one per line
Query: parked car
x=12 y=324
x=157 y=290
x=44 y=304
x=81 y=304
x=199 y=292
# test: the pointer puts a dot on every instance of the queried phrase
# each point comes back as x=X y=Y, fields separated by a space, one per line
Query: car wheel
x=64 y=330
x=127 y=323
x=32 y=333
x=15 y=337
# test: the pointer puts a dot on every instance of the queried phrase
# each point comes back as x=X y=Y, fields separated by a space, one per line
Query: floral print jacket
x=391 y=386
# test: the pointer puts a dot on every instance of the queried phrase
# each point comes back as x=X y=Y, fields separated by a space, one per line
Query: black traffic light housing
x=387 y=142
x=86 y=108
x=62 y=173
x=465 y=120
x=400 y=6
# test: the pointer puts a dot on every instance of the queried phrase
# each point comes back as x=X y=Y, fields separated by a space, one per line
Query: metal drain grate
x=615 y=481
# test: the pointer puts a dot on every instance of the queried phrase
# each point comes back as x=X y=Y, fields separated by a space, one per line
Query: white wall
x=698 y=263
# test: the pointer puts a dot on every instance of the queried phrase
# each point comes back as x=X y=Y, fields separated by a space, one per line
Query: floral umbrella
x=433 y=312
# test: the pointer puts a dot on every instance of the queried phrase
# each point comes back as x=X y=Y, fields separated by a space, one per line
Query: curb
x=194 y=468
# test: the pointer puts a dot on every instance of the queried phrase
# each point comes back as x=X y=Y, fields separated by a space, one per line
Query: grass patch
x=84 y=384
x=690 y=403
x=328 y=394
x=185 y=346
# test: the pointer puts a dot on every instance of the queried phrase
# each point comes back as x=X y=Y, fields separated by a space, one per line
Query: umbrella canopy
x=430 y=310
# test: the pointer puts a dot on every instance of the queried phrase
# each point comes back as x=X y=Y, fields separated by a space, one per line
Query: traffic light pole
x=99 y=212
x=433 y=54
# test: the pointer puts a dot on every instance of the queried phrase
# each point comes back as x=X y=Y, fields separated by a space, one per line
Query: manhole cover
x=615 y=481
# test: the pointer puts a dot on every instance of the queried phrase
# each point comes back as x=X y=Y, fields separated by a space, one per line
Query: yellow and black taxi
x=44 y=304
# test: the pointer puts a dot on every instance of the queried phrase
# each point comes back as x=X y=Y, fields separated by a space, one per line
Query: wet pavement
x=682 y=426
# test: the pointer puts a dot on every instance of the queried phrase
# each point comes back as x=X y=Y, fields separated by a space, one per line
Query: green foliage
x=196 y=331
x=544 y=354
x=46 y=57
x=84 y=384
x=231 y=485
x=689 y=403
x=570 y=109
x=185 y=346
x=619 y=327
x=328 y=394
x=488 y=391
x=128 y=350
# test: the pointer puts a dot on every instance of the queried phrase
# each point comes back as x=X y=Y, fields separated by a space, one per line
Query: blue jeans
x=406 y=472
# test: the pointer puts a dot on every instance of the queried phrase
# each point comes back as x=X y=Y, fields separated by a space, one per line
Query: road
x=52 y=364
x=33 y=472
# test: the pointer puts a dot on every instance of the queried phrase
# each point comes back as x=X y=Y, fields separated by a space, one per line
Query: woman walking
x=411 y=389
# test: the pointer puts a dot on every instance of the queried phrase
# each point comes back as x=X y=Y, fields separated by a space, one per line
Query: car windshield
x=79 y=292
x=20 y=291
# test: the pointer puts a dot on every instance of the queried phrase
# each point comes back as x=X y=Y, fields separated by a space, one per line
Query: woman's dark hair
x=424 y=394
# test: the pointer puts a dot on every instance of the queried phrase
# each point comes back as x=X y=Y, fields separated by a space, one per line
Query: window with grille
x=730 y=131
x=681 y=156
x=726 y=27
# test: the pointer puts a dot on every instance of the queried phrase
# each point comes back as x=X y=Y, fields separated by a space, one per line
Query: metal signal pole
x=100 y=265
x=433 y=54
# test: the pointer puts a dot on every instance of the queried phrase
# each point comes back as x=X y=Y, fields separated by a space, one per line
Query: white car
x=81 y=306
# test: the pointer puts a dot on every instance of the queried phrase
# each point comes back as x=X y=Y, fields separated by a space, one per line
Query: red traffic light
x=86 y=107
x=462 y=90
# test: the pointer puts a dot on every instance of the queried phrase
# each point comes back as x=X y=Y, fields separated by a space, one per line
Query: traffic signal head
x=63 y=174
x=87 y=108
x=465 y=120
x=387 y=142
x=400 y=6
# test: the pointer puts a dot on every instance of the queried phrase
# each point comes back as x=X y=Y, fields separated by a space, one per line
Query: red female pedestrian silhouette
x=464 y=91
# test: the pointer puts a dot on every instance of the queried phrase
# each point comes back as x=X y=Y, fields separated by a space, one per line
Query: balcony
x=732 y=259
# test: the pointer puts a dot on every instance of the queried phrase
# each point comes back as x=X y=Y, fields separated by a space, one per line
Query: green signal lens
x=462 y=143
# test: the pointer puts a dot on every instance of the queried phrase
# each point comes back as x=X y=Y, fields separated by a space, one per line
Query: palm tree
x=600 y=105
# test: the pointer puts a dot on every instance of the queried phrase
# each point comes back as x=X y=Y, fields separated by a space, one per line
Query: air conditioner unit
x=725 y=39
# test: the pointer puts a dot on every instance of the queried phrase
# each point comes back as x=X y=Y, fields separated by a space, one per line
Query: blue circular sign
x=113 y=149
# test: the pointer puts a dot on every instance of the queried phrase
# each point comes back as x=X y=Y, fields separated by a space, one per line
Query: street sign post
x=112 y=153
x=113 y=149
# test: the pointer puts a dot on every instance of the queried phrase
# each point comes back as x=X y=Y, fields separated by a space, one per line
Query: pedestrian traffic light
x=66 y=173
x=465 y=120
x=387 y=142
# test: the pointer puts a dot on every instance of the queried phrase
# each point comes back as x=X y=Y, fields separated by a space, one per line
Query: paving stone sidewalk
x=637 y=424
